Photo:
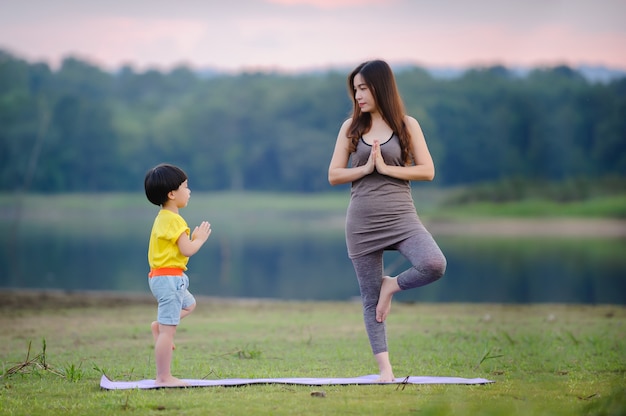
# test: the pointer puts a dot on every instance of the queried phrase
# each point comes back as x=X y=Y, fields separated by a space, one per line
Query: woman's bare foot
x=154 y=327
x=384 y=366
x=387 y=290
x=170 y=382
x=386 y=377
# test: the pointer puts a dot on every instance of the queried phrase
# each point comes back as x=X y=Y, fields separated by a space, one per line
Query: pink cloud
x=331 y=4
x=109 y=41
x=461 y=45
x=296 y=40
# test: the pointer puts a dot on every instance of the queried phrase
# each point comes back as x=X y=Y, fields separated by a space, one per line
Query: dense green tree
x=80 y=128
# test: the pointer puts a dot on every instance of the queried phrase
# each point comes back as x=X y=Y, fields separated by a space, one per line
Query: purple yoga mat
x=107 y=384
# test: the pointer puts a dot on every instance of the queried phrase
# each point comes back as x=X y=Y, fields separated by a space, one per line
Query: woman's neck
x=376 y=117
x=378 y=123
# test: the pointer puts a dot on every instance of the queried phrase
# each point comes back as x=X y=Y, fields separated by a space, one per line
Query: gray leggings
x=429 y=264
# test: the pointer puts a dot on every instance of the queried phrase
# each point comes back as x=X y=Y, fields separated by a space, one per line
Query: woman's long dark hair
x=380 y=80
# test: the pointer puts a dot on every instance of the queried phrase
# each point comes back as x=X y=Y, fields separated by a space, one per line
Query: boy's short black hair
x=161 y=180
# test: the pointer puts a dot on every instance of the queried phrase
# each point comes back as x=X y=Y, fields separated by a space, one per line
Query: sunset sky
x=315 y=34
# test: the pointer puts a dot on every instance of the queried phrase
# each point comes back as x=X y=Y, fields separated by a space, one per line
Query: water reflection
x=503 y=270
x=530 y=270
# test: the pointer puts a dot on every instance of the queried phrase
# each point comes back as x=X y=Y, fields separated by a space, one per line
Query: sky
x=295 y=35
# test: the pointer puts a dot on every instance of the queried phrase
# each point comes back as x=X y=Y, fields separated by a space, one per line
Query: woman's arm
x=338 y=171
x=423 y=169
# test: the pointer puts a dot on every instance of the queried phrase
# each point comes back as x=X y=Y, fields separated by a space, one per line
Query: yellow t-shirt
x=163 y=250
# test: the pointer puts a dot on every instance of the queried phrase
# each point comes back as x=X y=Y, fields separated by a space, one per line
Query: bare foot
x=170 y=382
x=154 y=327
x=388 y=288
x=386 y=377
x=384 y=366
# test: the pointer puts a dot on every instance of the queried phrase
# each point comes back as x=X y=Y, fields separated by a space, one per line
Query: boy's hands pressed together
x=188 y=247
x=201 y=232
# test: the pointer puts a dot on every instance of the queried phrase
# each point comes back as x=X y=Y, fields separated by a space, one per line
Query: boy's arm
x=189 y=247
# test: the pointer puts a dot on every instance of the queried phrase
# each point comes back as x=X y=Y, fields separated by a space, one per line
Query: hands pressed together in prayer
x=376 y=161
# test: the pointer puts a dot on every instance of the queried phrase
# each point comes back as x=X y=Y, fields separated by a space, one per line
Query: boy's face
x=181 y=195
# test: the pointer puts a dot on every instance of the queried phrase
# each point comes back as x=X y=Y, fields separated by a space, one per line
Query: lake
x=79 y=249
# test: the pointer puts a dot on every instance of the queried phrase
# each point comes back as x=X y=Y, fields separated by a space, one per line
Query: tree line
x=80 y=128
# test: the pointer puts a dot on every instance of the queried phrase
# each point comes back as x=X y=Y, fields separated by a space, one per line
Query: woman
x=387 y=150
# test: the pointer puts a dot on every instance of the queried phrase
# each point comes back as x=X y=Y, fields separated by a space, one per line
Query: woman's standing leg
x=369 y=272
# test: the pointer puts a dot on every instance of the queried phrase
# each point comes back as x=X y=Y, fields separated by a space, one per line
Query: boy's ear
x=170 y=195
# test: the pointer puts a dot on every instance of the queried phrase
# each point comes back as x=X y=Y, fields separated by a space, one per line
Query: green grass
x=429 y=201
x=544 y=359
x=599 y=207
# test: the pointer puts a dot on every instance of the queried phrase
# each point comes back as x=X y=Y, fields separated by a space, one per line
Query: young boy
x=168 y=253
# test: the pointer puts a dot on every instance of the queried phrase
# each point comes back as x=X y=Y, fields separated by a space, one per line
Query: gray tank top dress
x=381 y=212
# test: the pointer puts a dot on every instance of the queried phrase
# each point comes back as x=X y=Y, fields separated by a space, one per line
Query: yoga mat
x=107 y=384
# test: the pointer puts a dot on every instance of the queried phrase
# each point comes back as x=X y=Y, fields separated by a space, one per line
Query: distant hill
x=592 y=73
x=600 y=73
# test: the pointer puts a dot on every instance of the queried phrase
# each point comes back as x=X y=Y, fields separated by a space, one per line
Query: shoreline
x=530 y=227
x=16 y=299
x=555 y=228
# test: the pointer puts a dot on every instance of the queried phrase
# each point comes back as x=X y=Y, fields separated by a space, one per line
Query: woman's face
x=363 y=95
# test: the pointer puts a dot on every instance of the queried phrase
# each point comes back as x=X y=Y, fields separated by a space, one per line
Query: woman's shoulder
x=414 y=128
x=409 y=120
x=345 y=125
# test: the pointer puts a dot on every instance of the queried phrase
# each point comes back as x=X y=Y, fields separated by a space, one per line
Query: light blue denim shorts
x=172 y=293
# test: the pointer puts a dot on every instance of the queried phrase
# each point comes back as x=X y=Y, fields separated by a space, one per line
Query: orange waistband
x=166 y=271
